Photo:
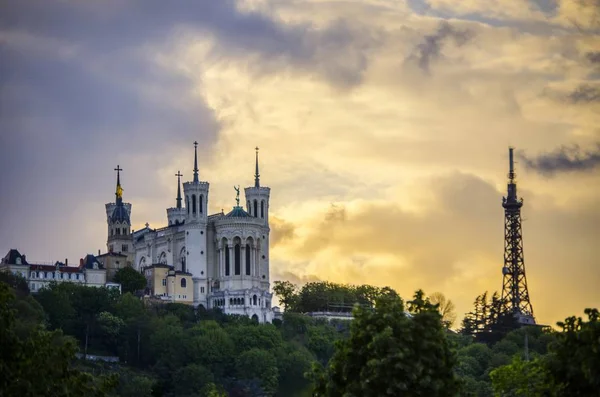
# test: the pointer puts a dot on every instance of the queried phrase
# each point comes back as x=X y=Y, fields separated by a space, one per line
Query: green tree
x=264 y=336
x=574 y=362
x=259 y=364
x=293 y=362
x=522 y=379
x=135 y=386
x=17 y=282
x=110 y=330
x=130 y=279
x=211 y=346
x=40 y=364
x=191 y=379
x=390 y=353
x=287 y=294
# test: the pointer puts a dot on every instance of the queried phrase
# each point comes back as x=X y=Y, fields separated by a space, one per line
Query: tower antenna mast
x=515 y=296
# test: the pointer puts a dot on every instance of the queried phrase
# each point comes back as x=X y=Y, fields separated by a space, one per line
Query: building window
x=200 y=203
x=110 y=248
x=227 y=260
x=183 y=283
x=201 y=290
x=262 y=209
x=187 y=203
x=193 y=203
x=118 y=231
x=255 y=212
x=237 y=259
x=33 y=286
x=254 y=300
x=164 y=282
x=124 y=248
x=32 y=274
x=248 y=259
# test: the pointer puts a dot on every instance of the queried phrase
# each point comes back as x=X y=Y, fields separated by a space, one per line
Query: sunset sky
x=383 y=129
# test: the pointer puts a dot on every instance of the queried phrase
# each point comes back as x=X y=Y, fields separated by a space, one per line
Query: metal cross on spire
x=119 y=191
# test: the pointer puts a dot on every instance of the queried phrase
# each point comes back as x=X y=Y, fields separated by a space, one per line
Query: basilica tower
x=196 y=220
x=176 y=215
x=119 y=223
x=257 y=202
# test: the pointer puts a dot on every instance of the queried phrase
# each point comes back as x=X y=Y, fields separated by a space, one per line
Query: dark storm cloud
x=563 y=159
x=80 y=91
x=584 y=94
x=106 y=25
x=593 y=57
x=430 y=48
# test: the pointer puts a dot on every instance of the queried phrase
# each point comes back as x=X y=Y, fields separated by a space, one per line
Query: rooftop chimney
x=98 y=252
x=66 y=261
x=80 y=261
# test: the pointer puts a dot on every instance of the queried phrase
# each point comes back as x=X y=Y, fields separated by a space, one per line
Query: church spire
x=256 y=174
x=119 y=190
x=195 y=161
x=178 y=175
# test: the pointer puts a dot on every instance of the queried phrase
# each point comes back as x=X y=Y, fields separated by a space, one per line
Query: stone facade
x=223 y=257
x=90 y=271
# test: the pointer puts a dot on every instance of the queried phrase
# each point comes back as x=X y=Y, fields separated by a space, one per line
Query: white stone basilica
x=219 y=260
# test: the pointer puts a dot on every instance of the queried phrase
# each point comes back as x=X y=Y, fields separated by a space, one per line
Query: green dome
x=238 y=212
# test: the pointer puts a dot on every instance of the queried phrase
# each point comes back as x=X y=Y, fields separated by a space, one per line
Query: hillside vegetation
x=392 y=347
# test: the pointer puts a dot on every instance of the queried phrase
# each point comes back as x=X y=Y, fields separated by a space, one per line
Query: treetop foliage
x=392 y=347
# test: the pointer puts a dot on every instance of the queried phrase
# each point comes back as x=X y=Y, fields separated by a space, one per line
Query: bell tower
x=257 y=203
x=196 y=220
x=119 y=223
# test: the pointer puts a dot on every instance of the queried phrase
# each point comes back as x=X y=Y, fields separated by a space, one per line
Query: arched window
x=262 y=209
x=200 y=203
x=183 y=283
x=247 y=259
x=227 y=260
x=255 y=213
x=237 y=259
x=32 y=274
x=193 y=203
x=254 y=300
x=187 y=203
x=230 y=301
x=162 y=259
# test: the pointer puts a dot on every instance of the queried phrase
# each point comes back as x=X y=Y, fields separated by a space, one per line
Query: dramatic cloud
x=585 y=94
x=455 y=245
x=379 y=172
x=431 y=48
x=583 y=14
x=563 y=159
x=593 y=57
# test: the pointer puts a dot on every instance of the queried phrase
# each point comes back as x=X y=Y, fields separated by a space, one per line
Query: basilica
x=210 y=260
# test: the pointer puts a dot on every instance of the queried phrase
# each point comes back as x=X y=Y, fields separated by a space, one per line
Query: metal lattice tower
x=515 y=296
